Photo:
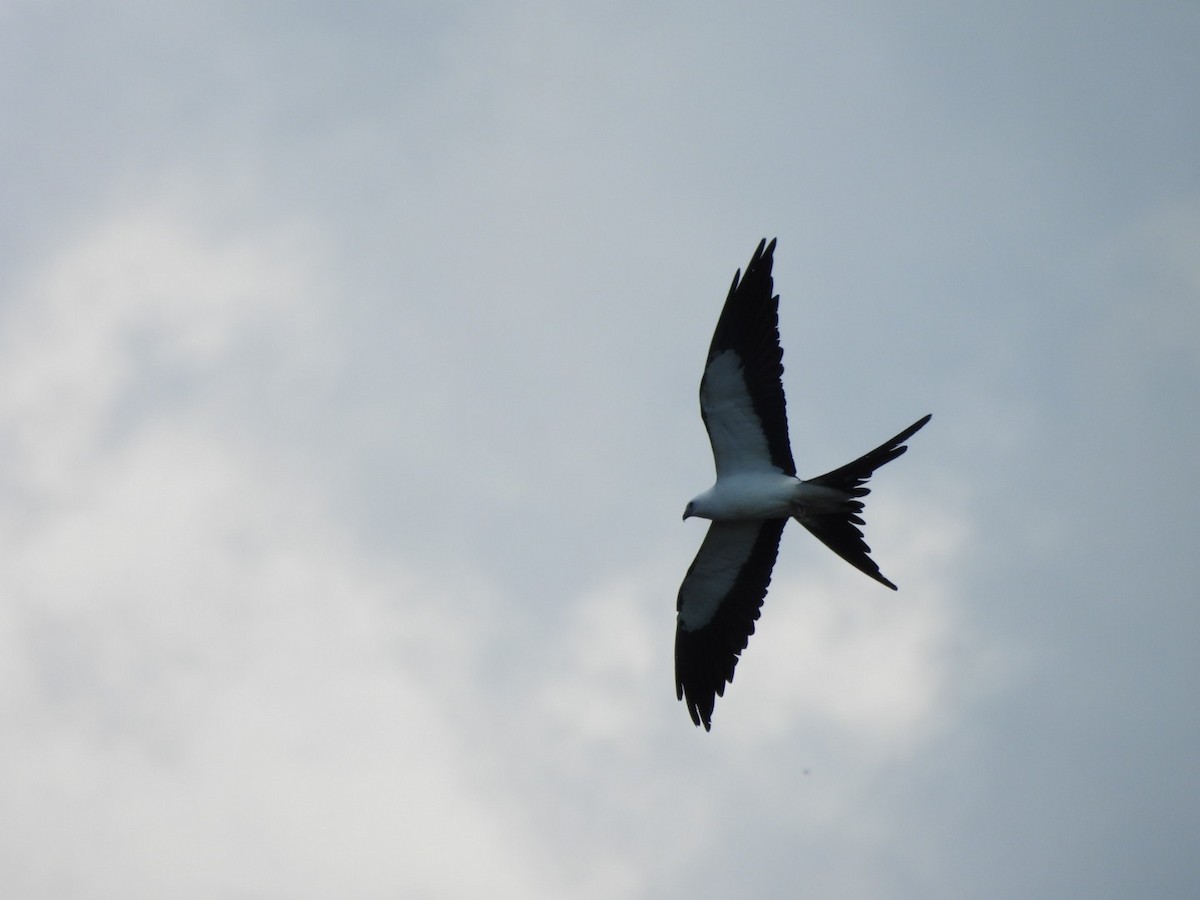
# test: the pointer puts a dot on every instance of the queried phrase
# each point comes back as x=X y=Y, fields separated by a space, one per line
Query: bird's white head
x=699 y=506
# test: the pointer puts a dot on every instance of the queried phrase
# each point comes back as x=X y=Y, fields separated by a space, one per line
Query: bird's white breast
x=748 y=495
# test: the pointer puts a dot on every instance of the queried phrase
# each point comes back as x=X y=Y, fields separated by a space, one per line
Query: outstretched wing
x=741 y=393
x=719 y=602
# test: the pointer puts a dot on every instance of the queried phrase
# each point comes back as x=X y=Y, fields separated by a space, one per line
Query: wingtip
x=912 y=429
x=698 y=719
x=876 y=574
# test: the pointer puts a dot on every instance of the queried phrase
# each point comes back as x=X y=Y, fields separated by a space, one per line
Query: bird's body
x=762 y=495
x=756 y=492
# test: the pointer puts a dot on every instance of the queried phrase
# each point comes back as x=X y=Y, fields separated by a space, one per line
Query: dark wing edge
x=706 y=657
x=839 y=530
x=749 y=326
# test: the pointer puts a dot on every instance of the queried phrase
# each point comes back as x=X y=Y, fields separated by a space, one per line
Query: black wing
x=719 y=602
x=741 y=393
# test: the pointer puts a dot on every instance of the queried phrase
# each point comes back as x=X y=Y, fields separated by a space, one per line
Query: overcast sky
x=348 y=369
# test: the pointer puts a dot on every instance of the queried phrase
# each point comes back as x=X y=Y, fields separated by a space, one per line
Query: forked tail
x=838 y=529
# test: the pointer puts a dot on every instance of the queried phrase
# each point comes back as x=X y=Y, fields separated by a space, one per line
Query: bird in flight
x=756 y=492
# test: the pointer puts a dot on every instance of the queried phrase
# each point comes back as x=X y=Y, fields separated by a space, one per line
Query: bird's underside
x=744 y=411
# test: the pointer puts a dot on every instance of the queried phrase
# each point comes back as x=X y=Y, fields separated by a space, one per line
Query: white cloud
x=837 y=654
x=216 y=691
x=341 y=466
x=606 y=655
x=141 y=300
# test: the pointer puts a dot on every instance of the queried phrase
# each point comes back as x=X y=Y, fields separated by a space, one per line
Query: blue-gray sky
x=348 y=369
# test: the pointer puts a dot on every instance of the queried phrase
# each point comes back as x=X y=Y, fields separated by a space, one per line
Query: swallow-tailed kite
x=756 y=492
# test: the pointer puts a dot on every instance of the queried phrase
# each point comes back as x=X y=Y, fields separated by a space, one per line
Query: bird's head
x=689 y=510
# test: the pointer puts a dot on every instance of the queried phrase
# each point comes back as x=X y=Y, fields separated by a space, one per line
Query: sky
x=348 y=369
